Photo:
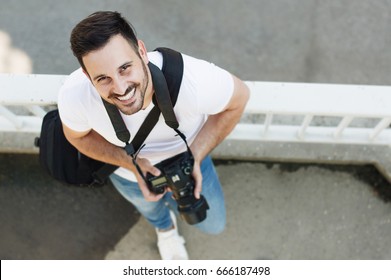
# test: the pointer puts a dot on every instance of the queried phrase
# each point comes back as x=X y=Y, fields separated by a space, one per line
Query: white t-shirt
x=205 y=90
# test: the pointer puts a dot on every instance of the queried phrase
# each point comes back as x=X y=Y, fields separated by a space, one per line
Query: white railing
x=347 y=114
x=23 y=98
x=282 y=121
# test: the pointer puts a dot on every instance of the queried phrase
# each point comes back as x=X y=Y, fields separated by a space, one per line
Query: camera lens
x=193 y=210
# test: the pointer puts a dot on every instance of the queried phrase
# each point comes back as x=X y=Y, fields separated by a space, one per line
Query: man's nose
x=120 y=85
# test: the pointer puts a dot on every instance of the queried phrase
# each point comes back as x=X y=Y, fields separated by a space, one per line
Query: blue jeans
x=157 y=212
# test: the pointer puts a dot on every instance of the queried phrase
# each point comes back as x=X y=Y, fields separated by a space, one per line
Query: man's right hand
x=147 y=167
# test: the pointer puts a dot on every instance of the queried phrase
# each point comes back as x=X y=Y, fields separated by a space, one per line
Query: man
x=114 y=68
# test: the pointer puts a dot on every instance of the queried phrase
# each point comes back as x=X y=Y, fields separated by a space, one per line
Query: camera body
x=176 y=173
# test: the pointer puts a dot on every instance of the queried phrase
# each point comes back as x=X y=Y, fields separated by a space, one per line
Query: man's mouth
x=127 y=96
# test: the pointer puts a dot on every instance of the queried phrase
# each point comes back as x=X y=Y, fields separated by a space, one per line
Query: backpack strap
x=161 y=97
x=172 y=70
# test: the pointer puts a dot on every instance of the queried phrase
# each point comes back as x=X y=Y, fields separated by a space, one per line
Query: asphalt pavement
x=275 y=210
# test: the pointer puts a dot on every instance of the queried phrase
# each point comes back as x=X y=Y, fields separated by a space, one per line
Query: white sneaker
x=170 y=244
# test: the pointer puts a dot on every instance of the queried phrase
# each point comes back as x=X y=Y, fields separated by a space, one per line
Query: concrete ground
x=275 y=211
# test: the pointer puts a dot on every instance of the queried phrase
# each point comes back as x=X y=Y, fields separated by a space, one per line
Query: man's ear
x=143 y=51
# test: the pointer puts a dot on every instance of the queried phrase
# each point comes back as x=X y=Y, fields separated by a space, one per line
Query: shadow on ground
x=364 y=173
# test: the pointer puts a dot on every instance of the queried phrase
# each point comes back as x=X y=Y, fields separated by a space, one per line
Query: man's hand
x=197 y=176
x=147 y=167
x=217 y=127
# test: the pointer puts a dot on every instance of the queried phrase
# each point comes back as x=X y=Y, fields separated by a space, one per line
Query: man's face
x=120 y=74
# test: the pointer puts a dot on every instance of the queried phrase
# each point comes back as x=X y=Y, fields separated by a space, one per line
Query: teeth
x=127 y=96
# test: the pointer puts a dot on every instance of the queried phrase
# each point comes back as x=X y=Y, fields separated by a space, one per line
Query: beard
x=139 y=94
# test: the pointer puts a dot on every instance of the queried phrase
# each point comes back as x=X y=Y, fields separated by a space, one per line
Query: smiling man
x=121 y=79
x=114 y=67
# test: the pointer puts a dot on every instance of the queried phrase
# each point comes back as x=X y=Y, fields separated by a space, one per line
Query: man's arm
x=217 y=127
x=95 y=146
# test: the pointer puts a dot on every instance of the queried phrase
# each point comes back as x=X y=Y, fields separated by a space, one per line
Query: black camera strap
x=166 y=84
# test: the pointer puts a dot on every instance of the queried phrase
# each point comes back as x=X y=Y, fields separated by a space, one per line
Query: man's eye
x=125 y=67
x=102 y=79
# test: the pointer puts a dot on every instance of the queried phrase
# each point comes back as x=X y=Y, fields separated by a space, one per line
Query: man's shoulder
x=77 y=86
x=77 y=78
x=77 y=83
x=156 y=58
x=190 y=62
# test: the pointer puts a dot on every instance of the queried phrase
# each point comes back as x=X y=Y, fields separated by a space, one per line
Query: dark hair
x=94 y=32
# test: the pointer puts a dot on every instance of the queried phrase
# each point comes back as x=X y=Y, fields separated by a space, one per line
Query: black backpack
x=65 y=163
x=59 y=158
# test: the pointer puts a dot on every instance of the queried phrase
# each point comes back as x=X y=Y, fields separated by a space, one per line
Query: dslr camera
x=176 y=174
